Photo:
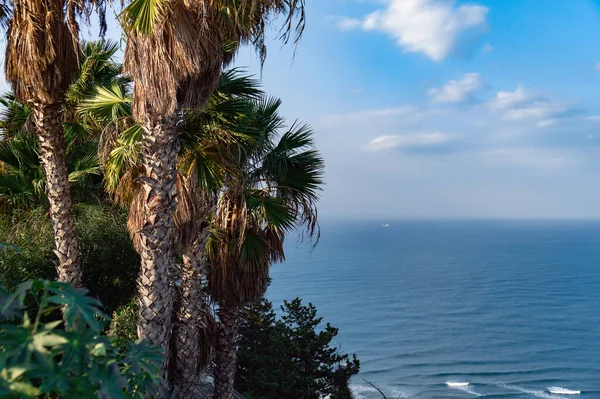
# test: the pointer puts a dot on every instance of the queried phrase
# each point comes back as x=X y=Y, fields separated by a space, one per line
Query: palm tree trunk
x=52 y=146
x=159 y=151
x=191 y=318
x=225 y=352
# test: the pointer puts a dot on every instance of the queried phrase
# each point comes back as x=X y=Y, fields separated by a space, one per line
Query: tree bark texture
x=159 y=153
x=225 y=352
x=190 y=319
x=52 y=146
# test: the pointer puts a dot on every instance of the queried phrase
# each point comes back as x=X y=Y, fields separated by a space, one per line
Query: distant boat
x=385 y=225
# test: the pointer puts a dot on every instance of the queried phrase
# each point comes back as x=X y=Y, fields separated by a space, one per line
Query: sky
x=446 y=109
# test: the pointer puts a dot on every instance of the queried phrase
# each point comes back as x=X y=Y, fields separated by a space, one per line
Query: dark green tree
x=291 y=357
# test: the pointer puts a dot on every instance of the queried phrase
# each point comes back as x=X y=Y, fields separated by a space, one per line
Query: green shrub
x=291 y=357
x=32 y=233
x=109 y=262
x=123 y=326
x=41 y=357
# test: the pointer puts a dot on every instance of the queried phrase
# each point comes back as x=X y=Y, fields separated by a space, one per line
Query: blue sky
x=448 y=109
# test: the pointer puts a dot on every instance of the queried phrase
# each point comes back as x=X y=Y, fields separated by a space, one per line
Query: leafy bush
x=290 y=357
x=32 y=233
x=123 y=327
x=44 y=357
x=110 y=263
x=108 y=259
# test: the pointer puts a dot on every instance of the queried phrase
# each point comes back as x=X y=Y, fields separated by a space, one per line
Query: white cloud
x=487 y=48
x=546 y=123
x=414 y=140
x=522 y=104
x=432 y=27
x=458 y=91
x=598 y=66
x=348 y=23
x=507 y=99
x=593 y=118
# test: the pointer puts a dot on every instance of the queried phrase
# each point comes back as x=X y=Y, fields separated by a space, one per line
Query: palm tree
x=210 y=139
x=41 y=59
x=22 y=180
x=207 y=140
x=275 y=190
x=175 y=53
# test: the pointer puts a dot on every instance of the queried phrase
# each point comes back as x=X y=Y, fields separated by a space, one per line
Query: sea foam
x=462 y=386
x=563 y=391
x=456 y=384
x=537 y=394
x=362 y=391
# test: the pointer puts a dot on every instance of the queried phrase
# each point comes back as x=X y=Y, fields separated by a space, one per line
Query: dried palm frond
x=207 y=340
x=41 y=54
x=171 y=67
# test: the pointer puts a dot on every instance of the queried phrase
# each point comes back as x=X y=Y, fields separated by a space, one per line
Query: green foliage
x=40 y=357
x=22 y=180
x=96 y=67
x=109 y=261
x=123 y=326
x=290 y=357
x=141 y=15
x=31 y=231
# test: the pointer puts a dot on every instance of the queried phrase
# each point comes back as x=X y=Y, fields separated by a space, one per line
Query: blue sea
x=509 y=307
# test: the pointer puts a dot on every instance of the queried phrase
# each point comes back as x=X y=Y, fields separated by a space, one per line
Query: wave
x=456 y=384
x=462 y=386
x=362 y=391
x=563 y=391
x=538 y=394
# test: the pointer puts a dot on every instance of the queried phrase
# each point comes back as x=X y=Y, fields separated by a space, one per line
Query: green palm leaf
x=96 y=68
x=110 y=103
x=141 y=15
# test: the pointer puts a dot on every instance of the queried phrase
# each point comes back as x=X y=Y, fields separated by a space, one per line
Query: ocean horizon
x=457 y=308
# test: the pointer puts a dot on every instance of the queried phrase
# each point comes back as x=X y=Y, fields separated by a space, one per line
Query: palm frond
x=83 y=163
x=8 y=157
x=41 y=52
x=234 y=83
x=109 y=103
x=266 y=120
x=5 y=13
x=246 y=278
x=270 y=211
x=74 y=132
x=14 y=116
x=96 y=68
x=141 y=15
x=124 y=155
x=16 y=193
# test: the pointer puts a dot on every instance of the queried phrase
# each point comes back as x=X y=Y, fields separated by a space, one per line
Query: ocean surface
x=511 y=308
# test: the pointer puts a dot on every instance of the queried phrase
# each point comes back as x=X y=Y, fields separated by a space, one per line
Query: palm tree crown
x=275 y=191
x=164 y=48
